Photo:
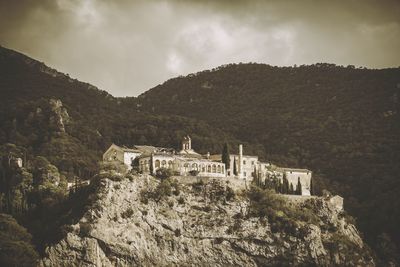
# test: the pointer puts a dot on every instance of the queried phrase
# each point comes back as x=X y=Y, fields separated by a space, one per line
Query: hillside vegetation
x=341 y=122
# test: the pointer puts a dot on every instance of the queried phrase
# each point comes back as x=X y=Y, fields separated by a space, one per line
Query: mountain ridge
x=341 y=122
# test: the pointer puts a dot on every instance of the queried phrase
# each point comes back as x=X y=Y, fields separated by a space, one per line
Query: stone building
x=187 y=161
x=246 y=165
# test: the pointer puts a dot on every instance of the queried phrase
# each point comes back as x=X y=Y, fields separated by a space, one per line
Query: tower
x=186 y=143
x=240 y=165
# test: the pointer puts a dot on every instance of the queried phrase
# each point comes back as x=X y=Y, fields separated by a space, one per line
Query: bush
x=113 y=167
x=163 y=173
x=230 y=194
x=127 y=214
x=193 y=172
x=282 y=217
x=181 y=201
x=84 y=229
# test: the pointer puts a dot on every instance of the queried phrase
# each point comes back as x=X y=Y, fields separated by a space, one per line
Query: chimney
x=240 y=171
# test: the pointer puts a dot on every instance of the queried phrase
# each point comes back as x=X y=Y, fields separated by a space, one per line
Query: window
x=194 y=166
x=244 y=162
x=252 y=163
x=214 y=168
x=170 y=164
x=163 y=163
x=244 y=174
x=203 y=168
x=209 y=168
x=157 y=163
x=219 y=169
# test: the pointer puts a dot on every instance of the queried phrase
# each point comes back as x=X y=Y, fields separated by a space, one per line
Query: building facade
x=187 y=162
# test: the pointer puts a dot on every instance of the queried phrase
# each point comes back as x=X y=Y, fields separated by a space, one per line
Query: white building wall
x=305 y=180
x=183 y=166
x=248 y=165
x=129 y=157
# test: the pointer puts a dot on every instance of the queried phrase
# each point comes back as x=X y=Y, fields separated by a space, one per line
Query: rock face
x=59 y=115
x=191 y=228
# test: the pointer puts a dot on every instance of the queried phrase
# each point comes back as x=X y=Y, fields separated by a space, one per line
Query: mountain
x=341 y=122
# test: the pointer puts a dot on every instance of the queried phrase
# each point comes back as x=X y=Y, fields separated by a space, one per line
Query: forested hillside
x=341 y=122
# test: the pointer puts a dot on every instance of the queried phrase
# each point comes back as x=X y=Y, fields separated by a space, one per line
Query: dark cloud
x=127 y=46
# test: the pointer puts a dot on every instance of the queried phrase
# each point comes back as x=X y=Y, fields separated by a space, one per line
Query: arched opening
x=164 y=164
x=203 y=168
x=194 y=166
x=157 y=163
x=170 y=164
x=214 y=168
x=209 y=168
x=219 y=169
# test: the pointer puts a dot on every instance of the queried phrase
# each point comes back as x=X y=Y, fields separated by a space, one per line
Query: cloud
x=127 y=47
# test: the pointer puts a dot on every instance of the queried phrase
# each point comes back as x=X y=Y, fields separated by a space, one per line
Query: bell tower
x=186 y=143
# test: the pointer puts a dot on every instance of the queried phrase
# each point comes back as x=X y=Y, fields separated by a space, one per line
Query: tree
x=291 y=189
x=163 y=173
x=135 y=165
x=225 y=156
x=285 y=184
x=311 y=187
x=235 y=172
x=15 y=243
x=299 y=190
x=151 y=164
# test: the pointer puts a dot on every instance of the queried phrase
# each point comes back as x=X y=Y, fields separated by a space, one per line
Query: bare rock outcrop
x=126 y=227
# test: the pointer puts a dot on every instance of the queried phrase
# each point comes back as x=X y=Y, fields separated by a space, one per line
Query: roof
x=124 y=149
x=292 y=169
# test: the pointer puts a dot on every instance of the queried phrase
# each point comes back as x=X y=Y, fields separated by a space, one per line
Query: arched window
x=214 y=168
x=219 y=169
x=146 y=165
x=194 y=166
x=203 y=168
x=209 y=168
x=163 y=163
x=170 y=164
x=157 y=163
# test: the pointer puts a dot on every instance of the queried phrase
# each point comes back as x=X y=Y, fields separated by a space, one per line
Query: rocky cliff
x=140 y=222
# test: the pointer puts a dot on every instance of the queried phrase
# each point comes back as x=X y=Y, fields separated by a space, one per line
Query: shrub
x=282 y=217
x=193 y=172
x=181 y=201
x=230 y=194
x=177 y=232
x=113 y=166
x=84 y=229
x=127 y=214
x=163 y=173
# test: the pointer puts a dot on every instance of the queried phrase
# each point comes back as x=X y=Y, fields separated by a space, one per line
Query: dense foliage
x=341 y=122
x=16 y=248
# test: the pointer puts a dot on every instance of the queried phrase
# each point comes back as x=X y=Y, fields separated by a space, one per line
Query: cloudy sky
x=128 y=46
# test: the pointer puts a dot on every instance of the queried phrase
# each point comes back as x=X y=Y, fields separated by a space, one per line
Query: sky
x=127 y=47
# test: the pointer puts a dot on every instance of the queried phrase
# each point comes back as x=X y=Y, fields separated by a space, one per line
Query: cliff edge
x=141 y=221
